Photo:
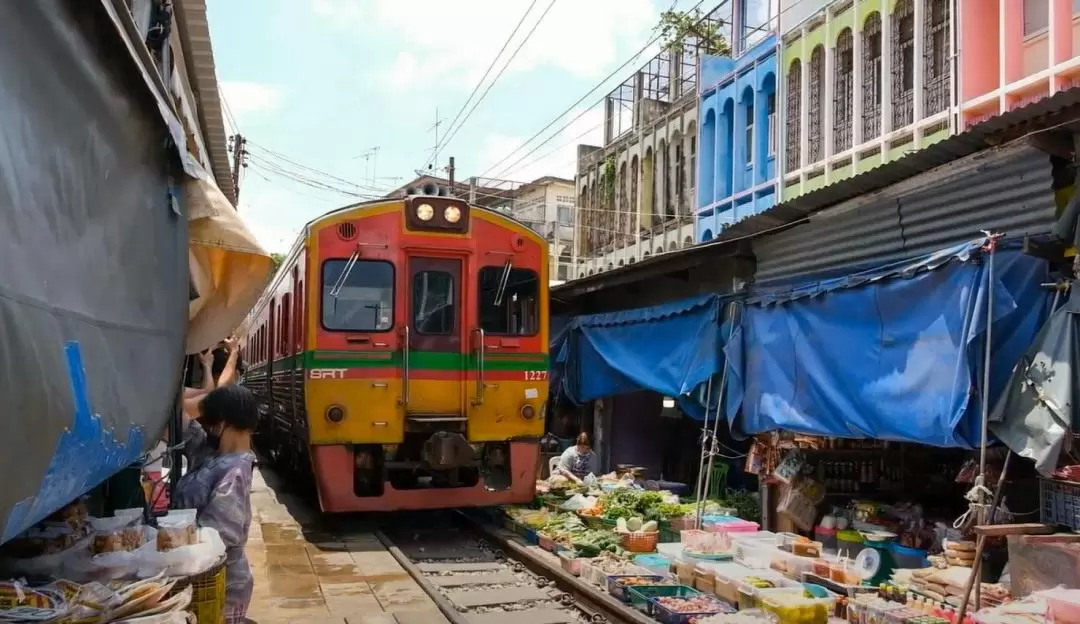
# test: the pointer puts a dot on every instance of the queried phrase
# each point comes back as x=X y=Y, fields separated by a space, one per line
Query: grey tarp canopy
x=94 y=245
x=1034 y=418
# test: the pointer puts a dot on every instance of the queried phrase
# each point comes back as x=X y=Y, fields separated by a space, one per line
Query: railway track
x=476 y=575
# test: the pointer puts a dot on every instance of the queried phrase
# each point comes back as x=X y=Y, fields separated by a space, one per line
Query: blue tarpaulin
x=670 y=349
x=894 y=353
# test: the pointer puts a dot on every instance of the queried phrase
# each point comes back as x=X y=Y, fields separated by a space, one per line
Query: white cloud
x=452 y=43
x=343 y=13
x=557 y=157
x=248 y=100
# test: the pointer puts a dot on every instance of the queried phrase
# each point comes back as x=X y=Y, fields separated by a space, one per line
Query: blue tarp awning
x=670 y=349
x=892 y=354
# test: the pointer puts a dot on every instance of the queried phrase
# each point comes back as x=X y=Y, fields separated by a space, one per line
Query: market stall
x=76 y=568
x=868 y=564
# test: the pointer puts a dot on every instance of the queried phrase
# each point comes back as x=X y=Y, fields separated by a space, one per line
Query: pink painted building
x=1014 y=53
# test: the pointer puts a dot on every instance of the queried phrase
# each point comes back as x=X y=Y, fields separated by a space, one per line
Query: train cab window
x=509 y=301
x=433 y=301
x=358 y=298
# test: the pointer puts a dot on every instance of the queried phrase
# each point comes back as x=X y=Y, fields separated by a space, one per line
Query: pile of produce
x=694 y=604
x=641 y=504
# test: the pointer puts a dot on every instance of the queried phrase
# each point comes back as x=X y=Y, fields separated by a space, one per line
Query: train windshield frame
x=357 y=295
x=508 y=301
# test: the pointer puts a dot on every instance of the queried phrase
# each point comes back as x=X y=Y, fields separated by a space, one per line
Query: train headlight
x=335 y=413
x=452 y=214
x=425 y=212
x=528 y=412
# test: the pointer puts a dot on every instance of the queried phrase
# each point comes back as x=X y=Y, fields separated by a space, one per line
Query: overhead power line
x=439 y=145
x=569 y=109
x=454 y=130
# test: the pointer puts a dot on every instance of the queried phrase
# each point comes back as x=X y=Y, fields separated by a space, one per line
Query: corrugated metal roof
x=199 y=57
x=975 y=139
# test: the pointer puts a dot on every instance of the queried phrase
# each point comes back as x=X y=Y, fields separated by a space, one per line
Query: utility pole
x=238 y=145
x=435 y=148
x=450 y=174
x=472 y=190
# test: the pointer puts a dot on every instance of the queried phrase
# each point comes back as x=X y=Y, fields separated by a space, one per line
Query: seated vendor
x=580 y=460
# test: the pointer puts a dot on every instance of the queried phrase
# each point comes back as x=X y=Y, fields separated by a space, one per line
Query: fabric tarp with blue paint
x=893 y=354
x=670 y=349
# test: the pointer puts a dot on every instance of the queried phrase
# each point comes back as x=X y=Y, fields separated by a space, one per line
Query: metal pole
x=716 y=421
x=992 y=244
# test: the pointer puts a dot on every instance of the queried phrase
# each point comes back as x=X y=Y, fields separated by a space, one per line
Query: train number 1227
x=536 y=375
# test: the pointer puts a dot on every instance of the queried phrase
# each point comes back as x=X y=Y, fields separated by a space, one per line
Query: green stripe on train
x=418 y=360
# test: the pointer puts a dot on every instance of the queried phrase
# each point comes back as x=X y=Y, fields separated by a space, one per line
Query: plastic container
x=790 y=606
x=729 y=524
x=665 y=615
x=618 y=589
x=1064 y=605
x=570 y=562
x=641 y=596
x=908 y=557
x=827 y=538
x=641 y=542
x=545 y=542
x=658 y=564
x=791 y=565
x=758 y=556
x=849 y=543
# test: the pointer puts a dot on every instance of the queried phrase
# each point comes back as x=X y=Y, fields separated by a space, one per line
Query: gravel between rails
x=475 y=576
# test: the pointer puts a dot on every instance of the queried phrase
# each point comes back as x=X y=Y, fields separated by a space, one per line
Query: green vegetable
x=650 y=527
x=634 y=524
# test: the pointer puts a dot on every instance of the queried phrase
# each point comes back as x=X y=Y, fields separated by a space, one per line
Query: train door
x=434 y=366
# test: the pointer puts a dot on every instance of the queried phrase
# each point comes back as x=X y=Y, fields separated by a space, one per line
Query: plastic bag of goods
x=187 y=560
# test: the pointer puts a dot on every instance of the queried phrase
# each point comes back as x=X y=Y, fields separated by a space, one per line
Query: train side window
x=433 y=302
x=509 y=303
x=359 y=298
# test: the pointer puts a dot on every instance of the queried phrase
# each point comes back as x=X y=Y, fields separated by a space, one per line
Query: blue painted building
x=738 y=138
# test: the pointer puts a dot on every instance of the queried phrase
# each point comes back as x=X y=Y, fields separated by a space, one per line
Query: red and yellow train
x=401 y=354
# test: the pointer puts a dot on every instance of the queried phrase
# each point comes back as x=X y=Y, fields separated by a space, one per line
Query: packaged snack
x=177 y=529
x=109 y=534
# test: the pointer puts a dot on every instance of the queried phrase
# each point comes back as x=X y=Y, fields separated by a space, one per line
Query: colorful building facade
x=865 y=82
x=1014 y=53
x=739 y=138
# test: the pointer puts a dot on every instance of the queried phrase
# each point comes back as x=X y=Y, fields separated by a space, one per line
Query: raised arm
x=228 y=374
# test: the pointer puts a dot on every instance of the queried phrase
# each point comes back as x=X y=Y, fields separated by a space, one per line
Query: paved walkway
x=303 y=575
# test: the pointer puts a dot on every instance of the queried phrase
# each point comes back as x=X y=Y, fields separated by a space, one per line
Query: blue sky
x=321 y=82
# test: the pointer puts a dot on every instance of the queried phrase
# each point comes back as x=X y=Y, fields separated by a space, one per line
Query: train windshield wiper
x=502 y=283
x=344 y=277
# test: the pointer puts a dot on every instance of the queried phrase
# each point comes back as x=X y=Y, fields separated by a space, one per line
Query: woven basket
x=207 y=594
x=593 y=522
x=640 y=542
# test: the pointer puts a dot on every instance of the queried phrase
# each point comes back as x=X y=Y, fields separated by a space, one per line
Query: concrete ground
x=306 y=573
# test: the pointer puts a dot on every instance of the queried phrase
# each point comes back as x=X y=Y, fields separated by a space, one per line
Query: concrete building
x=547 y=206
x=737 y=176
x=180 y=70
x=636 y=193
x=1014 y=53
x=864 y=83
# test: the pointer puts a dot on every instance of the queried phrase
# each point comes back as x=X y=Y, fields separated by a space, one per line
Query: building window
x=843 y=91
x=693 y=158
x=509 y=300
x=936 y=57
x=759 y=18
x=794 y=115
x=566 y=214
x=1037 y=16
x=772 y=124
x=816 y=110
x=357 y=296
x=903 y=64
x=748 y=140
x=871 y=86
